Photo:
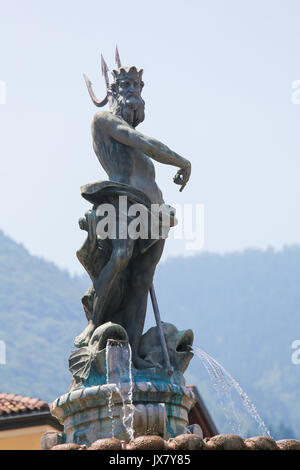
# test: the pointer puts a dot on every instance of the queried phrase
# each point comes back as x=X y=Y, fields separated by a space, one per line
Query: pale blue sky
x=218 y=78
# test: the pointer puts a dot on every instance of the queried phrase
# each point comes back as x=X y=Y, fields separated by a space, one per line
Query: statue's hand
x=183 y=175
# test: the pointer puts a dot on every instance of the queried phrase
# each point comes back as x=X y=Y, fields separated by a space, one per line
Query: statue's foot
x=84 y=337
x=139 y=363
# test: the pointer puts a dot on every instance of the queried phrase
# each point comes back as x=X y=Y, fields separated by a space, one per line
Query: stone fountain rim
x=97 y=395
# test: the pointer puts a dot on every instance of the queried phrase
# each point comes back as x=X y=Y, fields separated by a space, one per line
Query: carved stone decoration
x=91 y=359
x=88 y=364
x=160 y=409
x=179 y=345
x=150 y=418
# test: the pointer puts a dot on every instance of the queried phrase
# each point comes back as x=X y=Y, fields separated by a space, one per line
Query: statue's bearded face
x=128 y=101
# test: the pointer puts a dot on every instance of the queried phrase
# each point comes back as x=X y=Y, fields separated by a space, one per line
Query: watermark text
x=124 y=220
x=296 y=354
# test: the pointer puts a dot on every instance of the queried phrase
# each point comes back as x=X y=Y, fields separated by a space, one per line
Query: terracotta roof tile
x=11 y=404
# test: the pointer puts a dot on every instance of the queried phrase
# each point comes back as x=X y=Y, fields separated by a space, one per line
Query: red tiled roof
x=11 y=405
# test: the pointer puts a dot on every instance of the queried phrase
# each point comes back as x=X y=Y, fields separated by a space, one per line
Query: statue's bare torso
x=124 y=163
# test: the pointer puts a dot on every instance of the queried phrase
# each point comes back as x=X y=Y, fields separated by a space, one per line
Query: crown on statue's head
x=128 y=72
x=122 y=73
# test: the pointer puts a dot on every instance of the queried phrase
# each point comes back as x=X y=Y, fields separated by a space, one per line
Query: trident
x=160 y=331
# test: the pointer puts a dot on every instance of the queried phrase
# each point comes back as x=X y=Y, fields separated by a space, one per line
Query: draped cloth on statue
x=158 y=219
x=96 y=251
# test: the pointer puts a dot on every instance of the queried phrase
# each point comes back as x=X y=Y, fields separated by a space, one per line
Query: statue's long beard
x=132 y=110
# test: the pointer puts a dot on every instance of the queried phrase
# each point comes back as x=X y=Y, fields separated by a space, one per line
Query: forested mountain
x=243 y=308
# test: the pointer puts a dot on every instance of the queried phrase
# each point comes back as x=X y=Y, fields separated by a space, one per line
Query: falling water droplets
x=119 y=376
x=224 y=383
x=111 y=389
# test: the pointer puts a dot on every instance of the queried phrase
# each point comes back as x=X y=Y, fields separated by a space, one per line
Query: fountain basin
x=158 y=409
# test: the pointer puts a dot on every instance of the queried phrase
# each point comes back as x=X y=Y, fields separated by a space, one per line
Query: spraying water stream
x=224 y=383
x=119 y=377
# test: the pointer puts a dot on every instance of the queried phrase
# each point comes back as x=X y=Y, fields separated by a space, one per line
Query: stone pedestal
x=97 y=412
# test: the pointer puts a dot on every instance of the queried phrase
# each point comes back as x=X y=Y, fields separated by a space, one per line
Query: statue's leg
x=120 y=257
x=106 y=280
x=142 y=277
x=92 y=259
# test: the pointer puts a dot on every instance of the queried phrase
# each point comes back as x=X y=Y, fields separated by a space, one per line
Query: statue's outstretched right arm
x=123 y=133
